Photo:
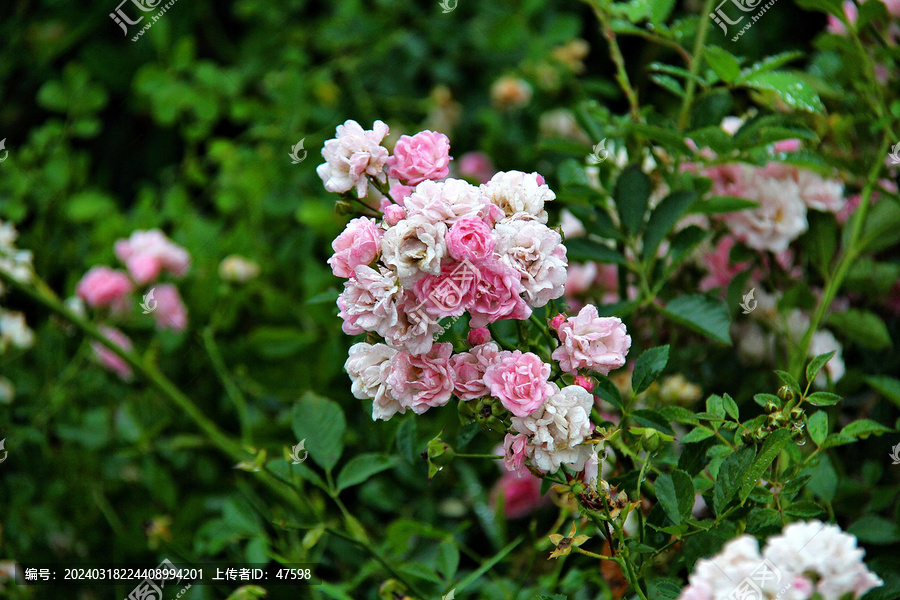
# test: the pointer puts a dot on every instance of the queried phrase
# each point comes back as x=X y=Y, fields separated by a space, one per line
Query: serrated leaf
x=773 y=445
x=632 y=194
x=587 y=250
x=886 y=386
x=730 y=407
x=823 y=399
x=663 y=218
x=650 y=418
x=648 y=367
x=608 y=391
x=715 y=205
x=321 y=423
x=805 y=509
x=407 y=434
x=817 y=425
x=816 y=364
x=359 y=468
x=789 y=380
x=698 y=434
x=675 y=493
x=770 y=63
x=862 y=327
x=725 y=65
x=447 y=560
x=731 y=474
x=762 y=399
x=679 y=414
x=838 y=439
x=702 y=314
x=792 y=90
x=863 y=428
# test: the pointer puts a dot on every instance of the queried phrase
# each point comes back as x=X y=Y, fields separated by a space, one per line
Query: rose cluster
x=806 y=559
x=14 y=331
x=147 y=255
x=442 y=247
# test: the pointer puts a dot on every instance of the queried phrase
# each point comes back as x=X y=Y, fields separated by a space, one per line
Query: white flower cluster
x=16 y=263
x=806 y=559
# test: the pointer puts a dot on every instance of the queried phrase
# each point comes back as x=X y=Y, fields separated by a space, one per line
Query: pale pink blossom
x=848 y=209
x=110 y=359
x=537 y=253
x=720 y=269
x=366 y=302
x=426 y=155
x=521 y=496
x=826 y=195
x=414 y=247
x=422 y=381
x=369 y=367
x=497 y=296
x=837 y=26
x=588 y=341
x=570 y=225
x=514 y=453
x=478 y=336
x=147 y=253
x=170 y=312
x=580 y=277
x=519 y=380
x=393 y=214
x=448 y=201
x=470 y=239
x=728 y=180
x=779 y=219
x=787 y=146
x=450 y=293
x=399 y=192
x=407 y=326
x=557 y=428
x=477 y=166
x=517 y=192
x=358 y=244
x=102 y=287
x=468 y=370
x=352 y=157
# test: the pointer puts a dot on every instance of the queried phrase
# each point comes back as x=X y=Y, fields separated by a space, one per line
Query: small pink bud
x=539 y=178
x=479 y=335
x=393 y=214
x=585 y=382
x=556 y=321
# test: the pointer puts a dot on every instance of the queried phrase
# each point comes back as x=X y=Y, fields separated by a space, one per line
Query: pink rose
x=718 y=263
x=519 y=381
x=497 y=296
x=470 y=239
x=170 y=311
x=423 y=156
x=399 y=192
x=585 y=382
x=423 y=381
x=104 y=287
x=588 y=341
x=147 y=253
x=450 y=293
x=478 y=336
x=468 y=371
x=352 y=157
x=393 y=214
x=514 y=453
x=477 y=166
x=110 y=359
x=358 y=244
x=368 y=301
x=520 y=496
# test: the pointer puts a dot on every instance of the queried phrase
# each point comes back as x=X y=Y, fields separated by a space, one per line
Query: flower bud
x=785 y=393
x=585 y=382
x=556 y=321
x=651 y=441
x=439 y=452
x=796 y=413
x=771 y=406
x=479 y=335
x=747 y=436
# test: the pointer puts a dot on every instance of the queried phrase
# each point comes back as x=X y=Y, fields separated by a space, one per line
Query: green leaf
x=863 y=428
x=89 y=206
x=838 y=439
x=660 y=10
x=675 y=493
x=715 y=205
x=762 y=399
x=725 y=65
x=817 y=425
x=648 y=367
x=731 y=474
x=407 y=434
x=650 y=418
x=770 y=63
x=730 y=407
x=632 y=193
x=804 y=509
x=607 y=390
x=682 y=247
x=663 y=218
x=359 y=468
x=698 y=434
x=711 y=108
x=872 y=529
x=679 y=414
x=773 y=445
x=321 y=423
x=587 y=250
x=816 y=364
x=789 y=87
x=278 y=343
x=863 y=327
x=487 y=565
x=447 y=560
x=823 y=399
x=789 y=380
x=887 y=386
x=702 y=314
x=715 y=405
x=882 y=228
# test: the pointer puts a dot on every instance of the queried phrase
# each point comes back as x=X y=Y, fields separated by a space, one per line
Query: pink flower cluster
x=446 y=248
x=146 y=255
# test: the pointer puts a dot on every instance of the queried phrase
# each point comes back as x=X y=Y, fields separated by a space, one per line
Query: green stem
x=374 y=554
x=233 y=391
x=696 y=61
x=618 y=60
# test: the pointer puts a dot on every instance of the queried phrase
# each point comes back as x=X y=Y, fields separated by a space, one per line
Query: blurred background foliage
x=188 y=129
